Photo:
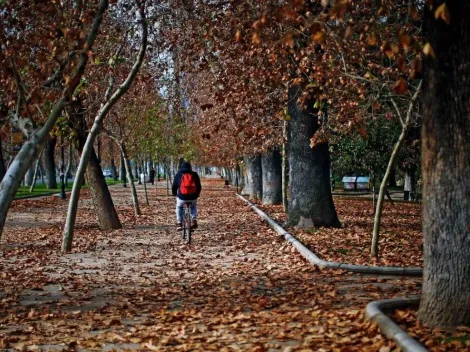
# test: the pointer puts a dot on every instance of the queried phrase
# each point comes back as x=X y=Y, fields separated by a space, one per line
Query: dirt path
x=237 y=287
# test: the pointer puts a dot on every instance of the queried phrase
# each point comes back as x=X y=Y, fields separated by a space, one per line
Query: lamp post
x=62 y=170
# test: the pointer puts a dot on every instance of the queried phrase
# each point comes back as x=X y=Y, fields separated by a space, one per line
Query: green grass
x=341 y=250
x=111 y=182
x=311 y=230
x=462 y=339
x=41 y=189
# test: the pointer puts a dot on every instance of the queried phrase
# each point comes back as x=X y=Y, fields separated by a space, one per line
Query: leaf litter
x=237 y=287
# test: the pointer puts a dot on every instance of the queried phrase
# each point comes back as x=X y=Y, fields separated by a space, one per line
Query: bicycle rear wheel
x=187 y=221
x=186 y=233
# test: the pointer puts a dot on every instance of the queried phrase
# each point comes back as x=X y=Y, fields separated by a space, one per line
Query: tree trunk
x=237 y=177
x=172 y=167
x=272 y=177
x=254 y=176
x=36 y=171
x=103 y=204
x=145 y=190
x=223 y=173
x=127 y=164
x=41 y=170
x=68 y=172
x=311 y=203
x=246 y=185
x=445 y=300
x=391 y=164
x=167 y=170
x=98 y=148
x=28 y=180
x=122 y=171
x=285 y=169
x=49 y=155
x=110 y=101
x=409 y=186
x=28 y=152
x=114 y=173
x=3 y=168
x=383 y=187
x=136 y=172
x=392 y=180
x=31 y=149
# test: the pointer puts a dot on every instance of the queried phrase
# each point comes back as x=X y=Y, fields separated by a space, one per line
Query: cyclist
x=187 y=188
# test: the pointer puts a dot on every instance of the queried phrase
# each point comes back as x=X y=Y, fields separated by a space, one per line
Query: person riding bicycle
x=187 y=188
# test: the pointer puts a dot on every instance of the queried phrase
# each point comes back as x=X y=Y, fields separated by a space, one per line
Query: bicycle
x=187 y=229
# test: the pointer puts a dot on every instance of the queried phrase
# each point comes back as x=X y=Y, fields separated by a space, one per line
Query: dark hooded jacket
x=186 y=168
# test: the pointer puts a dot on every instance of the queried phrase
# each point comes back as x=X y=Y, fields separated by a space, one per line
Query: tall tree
x=445 y=300
x=103 y=204
x=110 y=101
x=38 y=135
x=254 y=176
x=272 y=177
x=49 y=161
x=311 y=202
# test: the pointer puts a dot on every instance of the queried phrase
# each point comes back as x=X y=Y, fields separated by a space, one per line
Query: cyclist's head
x=186 y=166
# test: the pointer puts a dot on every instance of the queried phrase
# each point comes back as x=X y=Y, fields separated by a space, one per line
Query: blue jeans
x=179 y=209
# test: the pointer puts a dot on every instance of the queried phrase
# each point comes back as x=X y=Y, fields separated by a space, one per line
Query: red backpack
x=187 y=184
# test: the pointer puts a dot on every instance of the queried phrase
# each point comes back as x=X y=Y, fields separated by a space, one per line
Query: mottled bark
x=3 y=168
x=35 y=175
x=246 y=185
x=272 y=177
x=29 y=177
x=103 y=204
x=445 y=299
x=41 y=171
x=127 y=164
x=145 y=189
x=237 y=177
x=311 y=202
x=68 y=172
x=285 y=169
x=114 y=173
x=49 y=161
x=254 y=176
x=122 y=170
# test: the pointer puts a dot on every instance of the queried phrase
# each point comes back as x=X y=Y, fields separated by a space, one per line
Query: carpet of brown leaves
x=401 y=245
x=401 y=239
x=237 y=287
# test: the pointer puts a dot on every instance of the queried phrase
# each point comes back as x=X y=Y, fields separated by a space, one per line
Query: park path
x=237 y=287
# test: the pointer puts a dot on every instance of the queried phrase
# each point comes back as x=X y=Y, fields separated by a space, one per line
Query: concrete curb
x=388 y=327
x=314 y=259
